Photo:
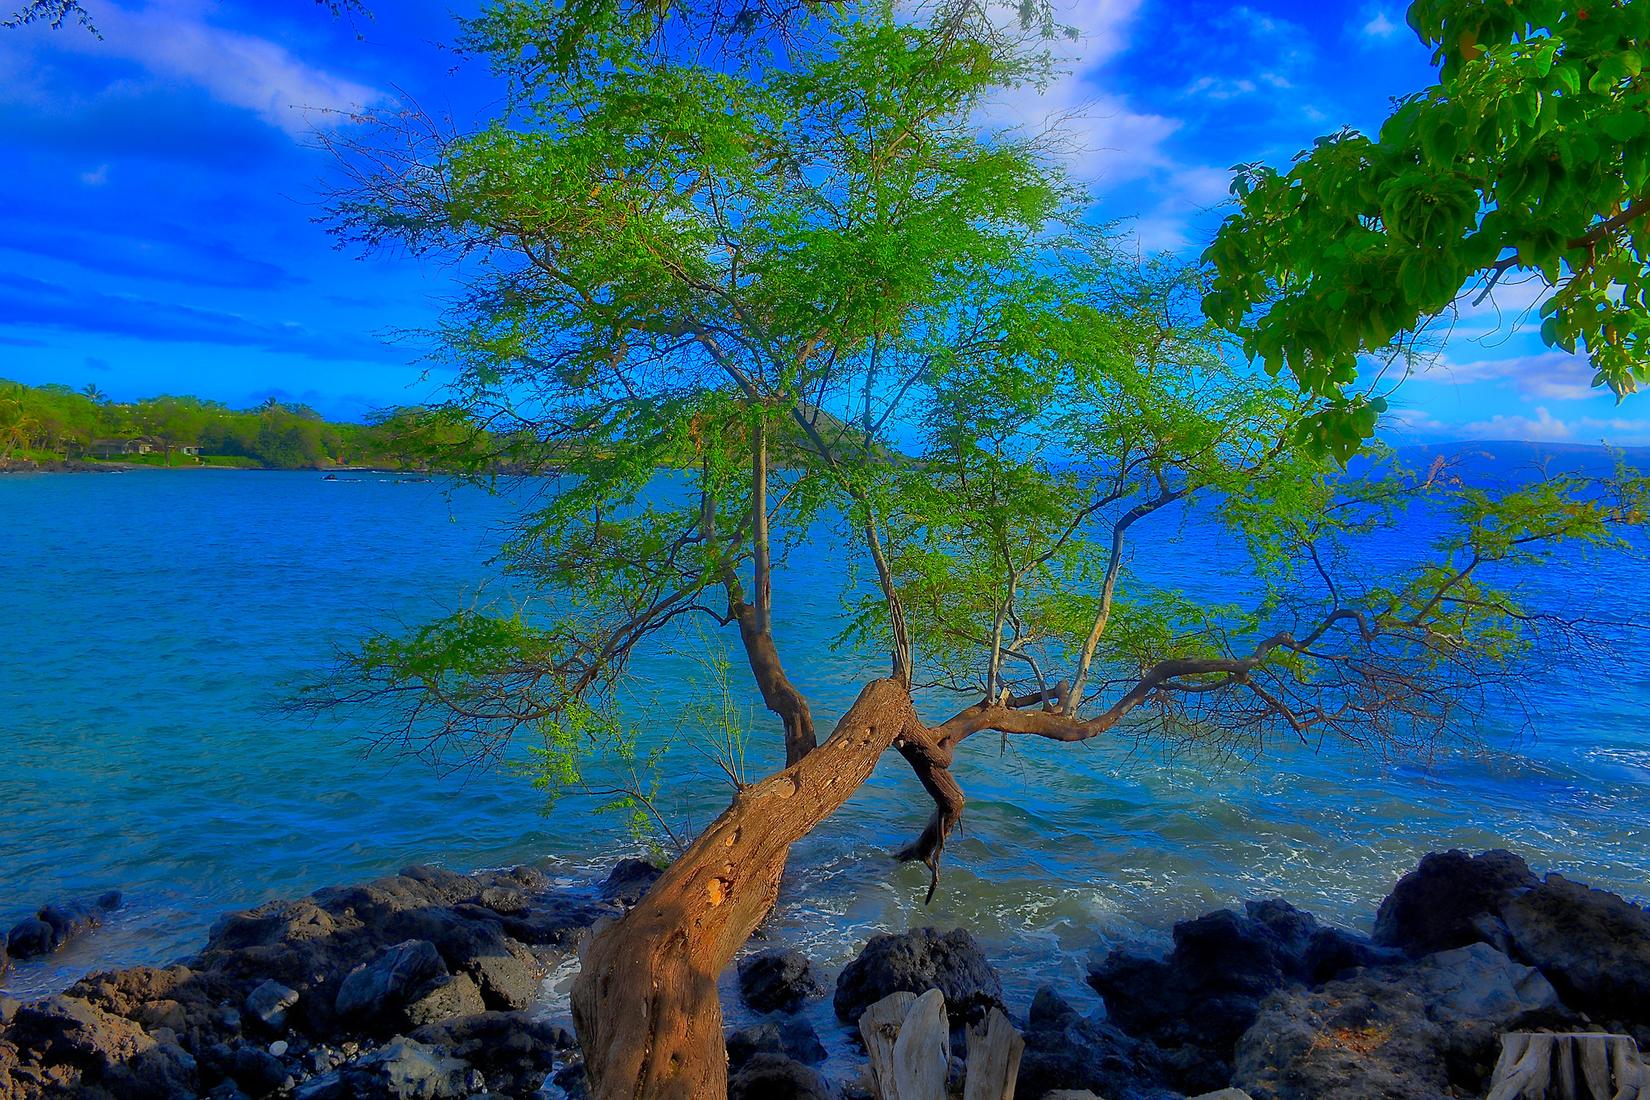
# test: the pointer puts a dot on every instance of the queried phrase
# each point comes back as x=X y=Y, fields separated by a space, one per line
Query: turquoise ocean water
x=151 y=622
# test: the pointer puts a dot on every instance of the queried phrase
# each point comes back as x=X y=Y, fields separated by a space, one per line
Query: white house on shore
x=137 y=445
x=115 y=448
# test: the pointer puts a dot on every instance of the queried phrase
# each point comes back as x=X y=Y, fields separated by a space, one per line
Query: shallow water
x=153 y=621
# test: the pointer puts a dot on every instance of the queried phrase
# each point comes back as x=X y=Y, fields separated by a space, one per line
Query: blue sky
x=156 y=217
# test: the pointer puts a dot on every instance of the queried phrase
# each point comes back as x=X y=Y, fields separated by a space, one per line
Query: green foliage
x=1531 y=152
x=64 y=423
x=816 y=265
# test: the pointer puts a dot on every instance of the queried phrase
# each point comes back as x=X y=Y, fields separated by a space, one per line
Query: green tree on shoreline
x=780 y=275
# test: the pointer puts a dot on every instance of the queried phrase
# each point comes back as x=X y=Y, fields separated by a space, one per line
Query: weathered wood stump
x=994 y=1050
x=908 y=1041
x=1569 y=1066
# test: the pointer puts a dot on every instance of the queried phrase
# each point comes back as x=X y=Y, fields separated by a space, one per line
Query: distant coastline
x=101 y=466
x=59 y=429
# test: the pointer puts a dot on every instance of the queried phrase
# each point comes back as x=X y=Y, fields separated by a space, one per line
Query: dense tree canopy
x=795 y=293
x=1530 y=154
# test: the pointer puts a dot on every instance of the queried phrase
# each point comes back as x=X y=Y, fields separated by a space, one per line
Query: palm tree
x=16 y=426
x=95 y=392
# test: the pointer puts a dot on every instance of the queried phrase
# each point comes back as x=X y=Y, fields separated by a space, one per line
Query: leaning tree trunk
x=645 y=1002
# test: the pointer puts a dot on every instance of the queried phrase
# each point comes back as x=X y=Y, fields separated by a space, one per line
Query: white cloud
x=1543 y=427
x=173 y=41
x=1101 y=26
x=1202 y=187
x=1380 y=26
x=1188 y=193
x=1211 y=87
x=1549 y=375
x=1408 y=424
x=1415 y=423
x=1095 y=133
x=1154 y=233
x=97 y=177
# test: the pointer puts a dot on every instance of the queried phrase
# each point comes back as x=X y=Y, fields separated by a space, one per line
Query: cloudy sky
x=156 y=214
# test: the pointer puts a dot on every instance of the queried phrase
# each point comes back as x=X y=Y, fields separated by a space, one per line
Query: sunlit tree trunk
x=645 y=1002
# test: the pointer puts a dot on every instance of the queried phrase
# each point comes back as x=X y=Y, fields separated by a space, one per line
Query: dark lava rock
x=258 y=1072
x=409 y=1070
x=916 y=962
x=402 y=1069
x=572 y=1082
x=452 y=995
x=792 y=1037
x=507 y=975
x=514 y=1051
x=1197 y=1002
x=1450 y=900
x=5 y=956
x=1592 y=945
x=379 y=992
x=194 y=1006
x=68 y=1029
x=30 y=938
x=553 y=921
x=776 y=1077
x=164 y=1071
x=503 y=901
x=71 y=918
x=1066 y=1050
x=55 y=925
x=269 y=1004
x=425 y=949
x=1405 y=1032
x=778 y=981
x=629 y=880
x=472 y=940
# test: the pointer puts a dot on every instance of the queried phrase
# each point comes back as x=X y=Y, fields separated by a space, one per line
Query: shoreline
x=431 y=983
x=78 y=466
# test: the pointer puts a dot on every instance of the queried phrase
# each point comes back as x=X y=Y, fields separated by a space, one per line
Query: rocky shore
x=61 y=466
x=422 y=986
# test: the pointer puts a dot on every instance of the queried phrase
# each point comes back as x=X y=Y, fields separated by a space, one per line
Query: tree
x=1530 y=154
x=17 y=425
x=174 y=421
x=799 y=295
x=413 y=437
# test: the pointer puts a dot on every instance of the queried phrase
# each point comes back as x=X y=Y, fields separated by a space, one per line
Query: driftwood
x=922 y=1053
x=1569 y=1066
x=994 y=1050
x=908 y=1041
x=879 y=1027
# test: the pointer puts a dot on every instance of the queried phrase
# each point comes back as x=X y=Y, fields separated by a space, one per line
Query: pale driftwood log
x=1569 y=1066
x=994 y=1050
x=922 y=1053
x=879 y=1027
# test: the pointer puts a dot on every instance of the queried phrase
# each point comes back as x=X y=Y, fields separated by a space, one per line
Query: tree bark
x=645 y=1002
x=778 y=693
